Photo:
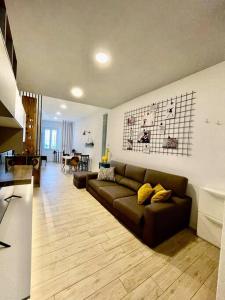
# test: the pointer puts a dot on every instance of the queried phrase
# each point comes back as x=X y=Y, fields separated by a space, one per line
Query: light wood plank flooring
x=80 y=251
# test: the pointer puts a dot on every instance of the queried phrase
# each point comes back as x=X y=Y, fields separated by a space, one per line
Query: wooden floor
x=80 y=251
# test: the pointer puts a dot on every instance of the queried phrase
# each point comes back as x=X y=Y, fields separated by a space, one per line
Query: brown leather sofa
x=153 y=223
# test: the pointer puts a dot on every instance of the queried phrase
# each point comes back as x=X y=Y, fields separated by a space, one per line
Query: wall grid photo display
x=165 y=126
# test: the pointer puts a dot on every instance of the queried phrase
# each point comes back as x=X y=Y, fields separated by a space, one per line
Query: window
x=54 y=139
x=50 y=139
x=47 y=139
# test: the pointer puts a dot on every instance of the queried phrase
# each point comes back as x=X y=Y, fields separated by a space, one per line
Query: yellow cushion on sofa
x=144 y=192
x=158 y=188
x=161 y=196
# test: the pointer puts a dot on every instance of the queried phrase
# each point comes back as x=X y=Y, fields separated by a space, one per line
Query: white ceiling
x=152 y=43
x=73 y=111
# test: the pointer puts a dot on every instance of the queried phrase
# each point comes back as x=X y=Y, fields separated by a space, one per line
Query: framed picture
x=162 y=127
x=148 y=119
x=170 y=110
x=144 y=136
x=154 y=107
x=129 y=144
x=131 y=133
x=147 y=148
x=131 y=121
x=170 y=143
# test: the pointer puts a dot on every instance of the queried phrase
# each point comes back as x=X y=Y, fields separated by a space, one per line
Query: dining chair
x=64 y=163
x=74 y=162
x=78 y=154
x=84 y=162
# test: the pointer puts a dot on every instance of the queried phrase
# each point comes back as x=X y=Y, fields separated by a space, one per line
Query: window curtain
x=67 y=136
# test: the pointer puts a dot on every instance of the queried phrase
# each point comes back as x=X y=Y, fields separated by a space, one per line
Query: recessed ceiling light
x=58 y=113
x=55 y=118
x=77 y=92
x=102 y=58
x=63 y=106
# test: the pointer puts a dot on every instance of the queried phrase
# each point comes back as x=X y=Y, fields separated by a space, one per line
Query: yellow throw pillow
x=144 y=192
x=161 y=196
x=158 y=188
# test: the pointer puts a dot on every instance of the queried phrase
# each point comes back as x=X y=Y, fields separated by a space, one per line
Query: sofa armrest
x=162 y=220
x=89 y=176
x=92 y=175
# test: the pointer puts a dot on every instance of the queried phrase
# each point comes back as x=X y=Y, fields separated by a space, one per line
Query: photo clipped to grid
x=162 y=127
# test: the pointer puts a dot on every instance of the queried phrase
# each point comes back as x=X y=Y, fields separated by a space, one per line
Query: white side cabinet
x=210 y=215
x=221 y=274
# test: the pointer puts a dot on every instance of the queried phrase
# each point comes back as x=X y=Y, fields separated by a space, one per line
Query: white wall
x=92 y=123
x=206 y=166
x=51 y=125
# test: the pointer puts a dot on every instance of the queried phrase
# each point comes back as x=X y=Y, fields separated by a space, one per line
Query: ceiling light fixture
x=63 y=106
x=102 y=58
x=58 y=113
x=55 y=118
x=77 y=92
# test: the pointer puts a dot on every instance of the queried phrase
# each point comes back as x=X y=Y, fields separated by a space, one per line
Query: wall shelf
x=7 y=36
x=89 y=144
x=3 y=18
x=9 y=94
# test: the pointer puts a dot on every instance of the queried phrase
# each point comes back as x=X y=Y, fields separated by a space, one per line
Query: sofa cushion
x=129 y=207
x=158 y=188
x=110 y=193
x=119 y=167
x=135 y=173
x=118 y=178
x=106 y=174
x=161 y=196
x=130 y=183
x=95 y=184
x=144 y=193
x=177 y=184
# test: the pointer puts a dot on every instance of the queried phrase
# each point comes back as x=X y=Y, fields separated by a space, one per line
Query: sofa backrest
x=119 y=167
x=178 y=184
x=135 y=173
x=134 y=176
x=128 y=175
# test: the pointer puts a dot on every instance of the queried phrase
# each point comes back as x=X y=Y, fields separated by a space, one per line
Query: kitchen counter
x=16 y=230
x=18 y=175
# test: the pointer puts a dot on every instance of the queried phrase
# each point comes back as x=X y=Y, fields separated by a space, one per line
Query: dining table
x=65 y=166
